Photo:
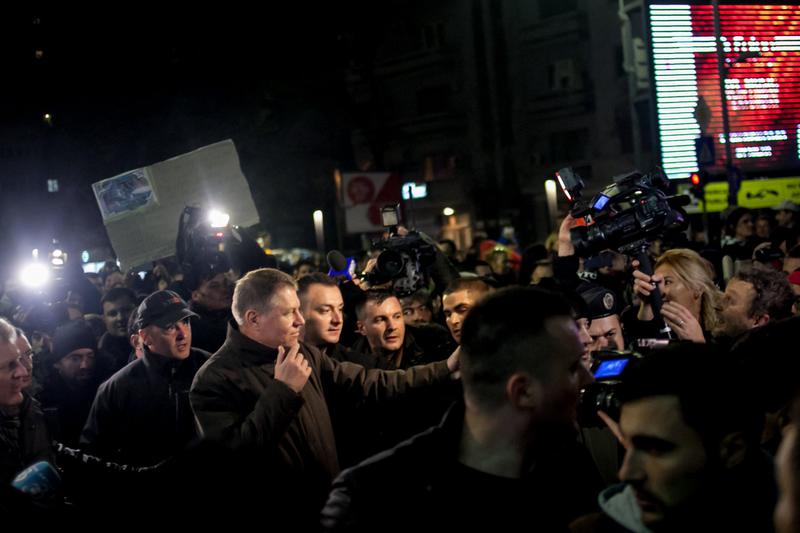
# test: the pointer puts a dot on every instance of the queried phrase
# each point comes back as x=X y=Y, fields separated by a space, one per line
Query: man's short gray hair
x=8 y=333
x=256 y=289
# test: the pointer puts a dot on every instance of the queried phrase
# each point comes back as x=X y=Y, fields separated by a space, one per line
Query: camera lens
x=390 y=263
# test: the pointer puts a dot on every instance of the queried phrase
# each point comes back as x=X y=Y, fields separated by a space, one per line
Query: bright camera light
x=34 y=275
x=218 y=219
x=57 y=253
x=448 y=211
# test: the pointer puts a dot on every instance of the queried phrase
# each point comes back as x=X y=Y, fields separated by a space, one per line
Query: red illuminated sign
x=761 y=45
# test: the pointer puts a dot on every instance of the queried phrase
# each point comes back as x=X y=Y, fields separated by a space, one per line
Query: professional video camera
x=405 y=260
x=626 y=215
x=603 y=393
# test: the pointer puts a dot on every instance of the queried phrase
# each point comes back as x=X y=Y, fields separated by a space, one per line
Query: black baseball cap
x=162 y=308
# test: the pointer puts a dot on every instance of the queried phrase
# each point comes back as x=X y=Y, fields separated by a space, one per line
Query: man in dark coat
x=141 y=415
x=506 y=456
x=265 y=394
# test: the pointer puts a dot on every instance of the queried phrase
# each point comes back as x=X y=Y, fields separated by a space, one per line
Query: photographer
x=208 y=280
x=692 y=301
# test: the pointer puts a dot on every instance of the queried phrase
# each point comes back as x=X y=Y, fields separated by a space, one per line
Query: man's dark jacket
x=24 y=439
x=289 y=436
x=141 y=415
x=421 y=481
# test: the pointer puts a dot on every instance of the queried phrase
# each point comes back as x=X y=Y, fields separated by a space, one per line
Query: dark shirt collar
x=249 y=349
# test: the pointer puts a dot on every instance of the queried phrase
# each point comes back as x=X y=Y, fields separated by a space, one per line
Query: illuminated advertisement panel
x=761 y=45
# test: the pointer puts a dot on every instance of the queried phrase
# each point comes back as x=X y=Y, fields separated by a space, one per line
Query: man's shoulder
x=417 y=455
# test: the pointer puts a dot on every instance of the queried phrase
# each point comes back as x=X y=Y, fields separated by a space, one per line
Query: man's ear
x=360 y=328
x=143 y=334
x=732 y=449
x=523 y=391
x=195 y=296
x=251 y=317
x=760 y=320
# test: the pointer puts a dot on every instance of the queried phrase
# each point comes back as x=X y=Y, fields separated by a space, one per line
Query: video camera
x=626 y=215
x=404 y=260
x=604 y=393
x=200 y=246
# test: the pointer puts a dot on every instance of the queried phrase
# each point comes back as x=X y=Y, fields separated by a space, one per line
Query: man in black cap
x=603 y=310
x=141 y=415
x=68 y=393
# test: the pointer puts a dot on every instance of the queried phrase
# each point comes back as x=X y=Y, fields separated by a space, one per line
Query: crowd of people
x=327 y=402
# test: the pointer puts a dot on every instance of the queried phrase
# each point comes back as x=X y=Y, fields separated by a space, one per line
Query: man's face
x=763 y=228
x=12 y=374
x=27 y=358
x=77 y=367
x=784 y=217
x=280 y=324
x=583 y=325
x=416 y=312
x=303 y=270
x=737 y=304
x=456 y=305
x=174 y=341
x=665 y=460
x=606 y=334
x=215 y=293
x=558 y=402
x=115 y=316
x=383 y=325
x=323 y=311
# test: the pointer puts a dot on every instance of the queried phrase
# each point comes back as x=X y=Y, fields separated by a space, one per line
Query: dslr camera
x=626 y=215
x=404 y=260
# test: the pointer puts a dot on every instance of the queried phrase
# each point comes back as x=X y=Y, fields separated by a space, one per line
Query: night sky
x=128 y=88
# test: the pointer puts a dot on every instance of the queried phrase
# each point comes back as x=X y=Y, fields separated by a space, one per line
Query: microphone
x=339 y=264
x=40 y=481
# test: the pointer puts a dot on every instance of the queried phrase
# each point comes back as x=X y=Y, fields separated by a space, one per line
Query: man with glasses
x=23 y=436
x=141 y=415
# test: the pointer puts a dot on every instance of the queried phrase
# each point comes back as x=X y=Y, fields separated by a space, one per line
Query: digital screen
x=610 y=368
x=761 y=45
x=600 y=202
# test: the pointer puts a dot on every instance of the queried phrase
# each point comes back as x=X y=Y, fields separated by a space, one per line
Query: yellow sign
x=754 y=194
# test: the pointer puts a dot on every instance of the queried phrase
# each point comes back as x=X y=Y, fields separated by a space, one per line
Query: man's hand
x=643 y=286
x=682 y=322
x=454 y=363
x=292 y=368
x=565 y=246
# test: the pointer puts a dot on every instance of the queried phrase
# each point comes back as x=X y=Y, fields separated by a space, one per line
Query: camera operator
x=692 y=460
x=691 y=299
x=209 y=283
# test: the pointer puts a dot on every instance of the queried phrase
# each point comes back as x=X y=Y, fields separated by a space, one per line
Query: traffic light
x=698 y=182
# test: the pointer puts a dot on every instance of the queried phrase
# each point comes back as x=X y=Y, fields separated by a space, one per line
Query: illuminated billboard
x=761 y=45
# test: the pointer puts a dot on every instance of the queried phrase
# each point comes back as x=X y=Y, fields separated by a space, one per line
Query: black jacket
x=24 y=439
x=141 y=415
x=66 y=408
x=421 y=481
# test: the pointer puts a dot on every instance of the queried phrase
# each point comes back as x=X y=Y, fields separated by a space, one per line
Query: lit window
x=52 y=185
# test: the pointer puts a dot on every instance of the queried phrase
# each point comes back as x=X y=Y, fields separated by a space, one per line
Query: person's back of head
x=517 y=331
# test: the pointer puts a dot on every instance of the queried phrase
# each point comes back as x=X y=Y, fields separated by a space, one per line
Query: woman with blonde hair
x=691 y=299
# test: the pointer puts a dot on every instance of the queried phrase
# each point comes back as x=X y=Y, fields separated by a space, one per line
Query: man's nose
x=631 y=469
x=336 y=317
x=21 y=372
x=298 y=319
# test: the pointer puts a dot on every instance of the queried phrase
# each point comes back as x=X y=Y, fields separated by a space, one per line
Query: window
x=562 y=75
x=52 y=185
